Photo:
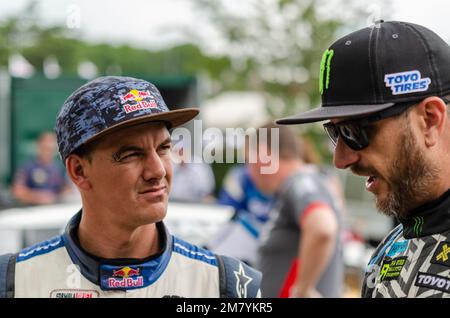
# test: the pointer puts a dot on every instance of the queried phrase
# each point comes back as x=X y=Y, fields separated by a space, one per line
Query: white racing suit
x=60 y=268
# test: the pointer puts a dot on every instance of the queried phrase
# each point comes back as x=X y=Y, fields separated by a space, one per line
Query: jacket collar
x=117 y=274
x=428 y=219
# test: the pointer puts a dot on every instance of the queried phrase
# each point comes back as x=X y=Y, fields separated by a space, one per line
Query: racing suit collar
x=428 y=219
x=117 y=274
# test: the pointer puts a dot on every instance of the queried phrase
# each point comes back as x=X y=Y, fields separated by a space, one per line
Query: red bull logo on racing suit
x=126 y=277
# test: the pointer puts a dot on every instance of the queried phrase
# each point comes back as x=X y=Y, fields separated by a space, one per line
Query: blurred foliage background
x=268 y=46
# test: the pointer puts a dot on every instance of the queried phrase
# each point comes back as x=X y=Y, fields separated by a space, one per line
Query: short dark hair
x=446 y=100
x=86 y=150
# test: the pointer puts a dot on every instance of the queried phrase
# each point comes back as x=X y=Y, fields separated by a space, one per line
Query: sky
x=136 y=22
x=154 y=23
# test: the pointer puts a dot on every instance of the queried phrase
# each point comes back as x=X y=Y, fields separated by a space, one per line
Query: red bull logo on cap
x=126 y=277
x=138 y=97
x=135 y=95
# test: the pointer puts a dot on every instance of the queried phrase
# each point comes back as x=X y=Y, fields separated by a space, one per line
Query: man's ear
x=76 y=169
x=433 y=114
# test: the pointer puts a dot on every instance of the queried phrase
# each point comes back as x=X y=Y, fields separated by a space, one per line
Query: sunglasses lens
x=332 y=132
x=354 y=136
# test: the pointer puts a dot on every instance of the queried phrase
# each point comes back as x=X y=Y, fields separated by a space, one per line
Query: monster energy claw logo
x=418 y=225
x=325 y=70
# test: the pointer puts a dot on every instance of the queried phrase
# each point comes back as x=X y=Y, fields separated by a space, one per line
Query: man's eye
x=165 y=148
x=127 y=156
x=133 y=154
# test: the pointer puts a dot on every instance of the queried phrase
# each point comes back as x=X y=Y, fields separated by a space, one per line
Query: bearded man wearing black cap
x=384 y=91
x=113 y=136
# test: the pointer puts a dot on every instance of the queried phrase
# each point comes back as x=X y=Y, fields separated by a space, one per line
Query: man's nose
x=344 y=156
x=154 y=167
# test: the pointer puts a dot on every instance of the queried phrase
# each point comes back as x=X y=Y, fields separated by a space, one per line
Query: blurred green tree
x=270 y=46
x=275 y=47
x=25 y=33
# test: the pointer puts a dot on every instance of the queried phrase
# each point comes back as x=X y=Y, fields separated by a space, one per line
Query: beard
x=411 y=176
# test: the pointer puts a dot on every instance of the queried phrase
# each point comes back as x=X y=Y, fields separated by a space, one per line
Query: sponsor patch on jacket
x=433 y=282
x=74 y=293
x=122 y=278
x=406 y=82
x=242 y=280
x=397 y=248
x=442 y=254
x=392 y=268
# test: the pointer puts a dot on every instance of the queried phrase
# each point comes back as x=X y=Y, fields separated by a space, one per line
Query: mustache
x=359 y=170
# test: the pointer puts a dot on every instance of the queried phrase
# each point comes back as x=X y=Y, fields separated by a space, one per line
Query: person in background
x=192 y=181
x=239 y=237
x=300 y=252
x=313 y=160
x=41 y=180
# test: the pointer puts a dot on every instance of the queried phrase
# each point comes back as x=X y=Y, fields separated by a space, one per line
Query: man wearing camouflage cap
x=113 y=136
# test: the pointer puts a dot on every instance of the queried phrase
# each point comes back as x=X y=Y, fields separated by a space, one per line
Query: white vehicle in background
x=24 y=226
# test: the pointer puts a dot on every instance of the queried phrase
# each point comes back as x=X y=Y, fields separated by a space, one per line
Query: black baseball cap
x=378 y=67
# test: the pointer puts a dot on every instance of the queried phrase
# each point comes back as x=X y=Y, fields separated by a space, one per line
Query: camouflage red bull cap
x=108 y=103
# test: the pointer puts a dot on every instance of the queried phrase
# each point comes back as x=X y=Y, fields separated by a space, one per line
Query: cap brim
x=329 y=112
x=175 y=118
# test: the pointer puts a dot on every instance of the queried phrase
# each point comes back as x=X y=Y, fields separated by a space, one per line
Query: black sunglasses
x=354 y=132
